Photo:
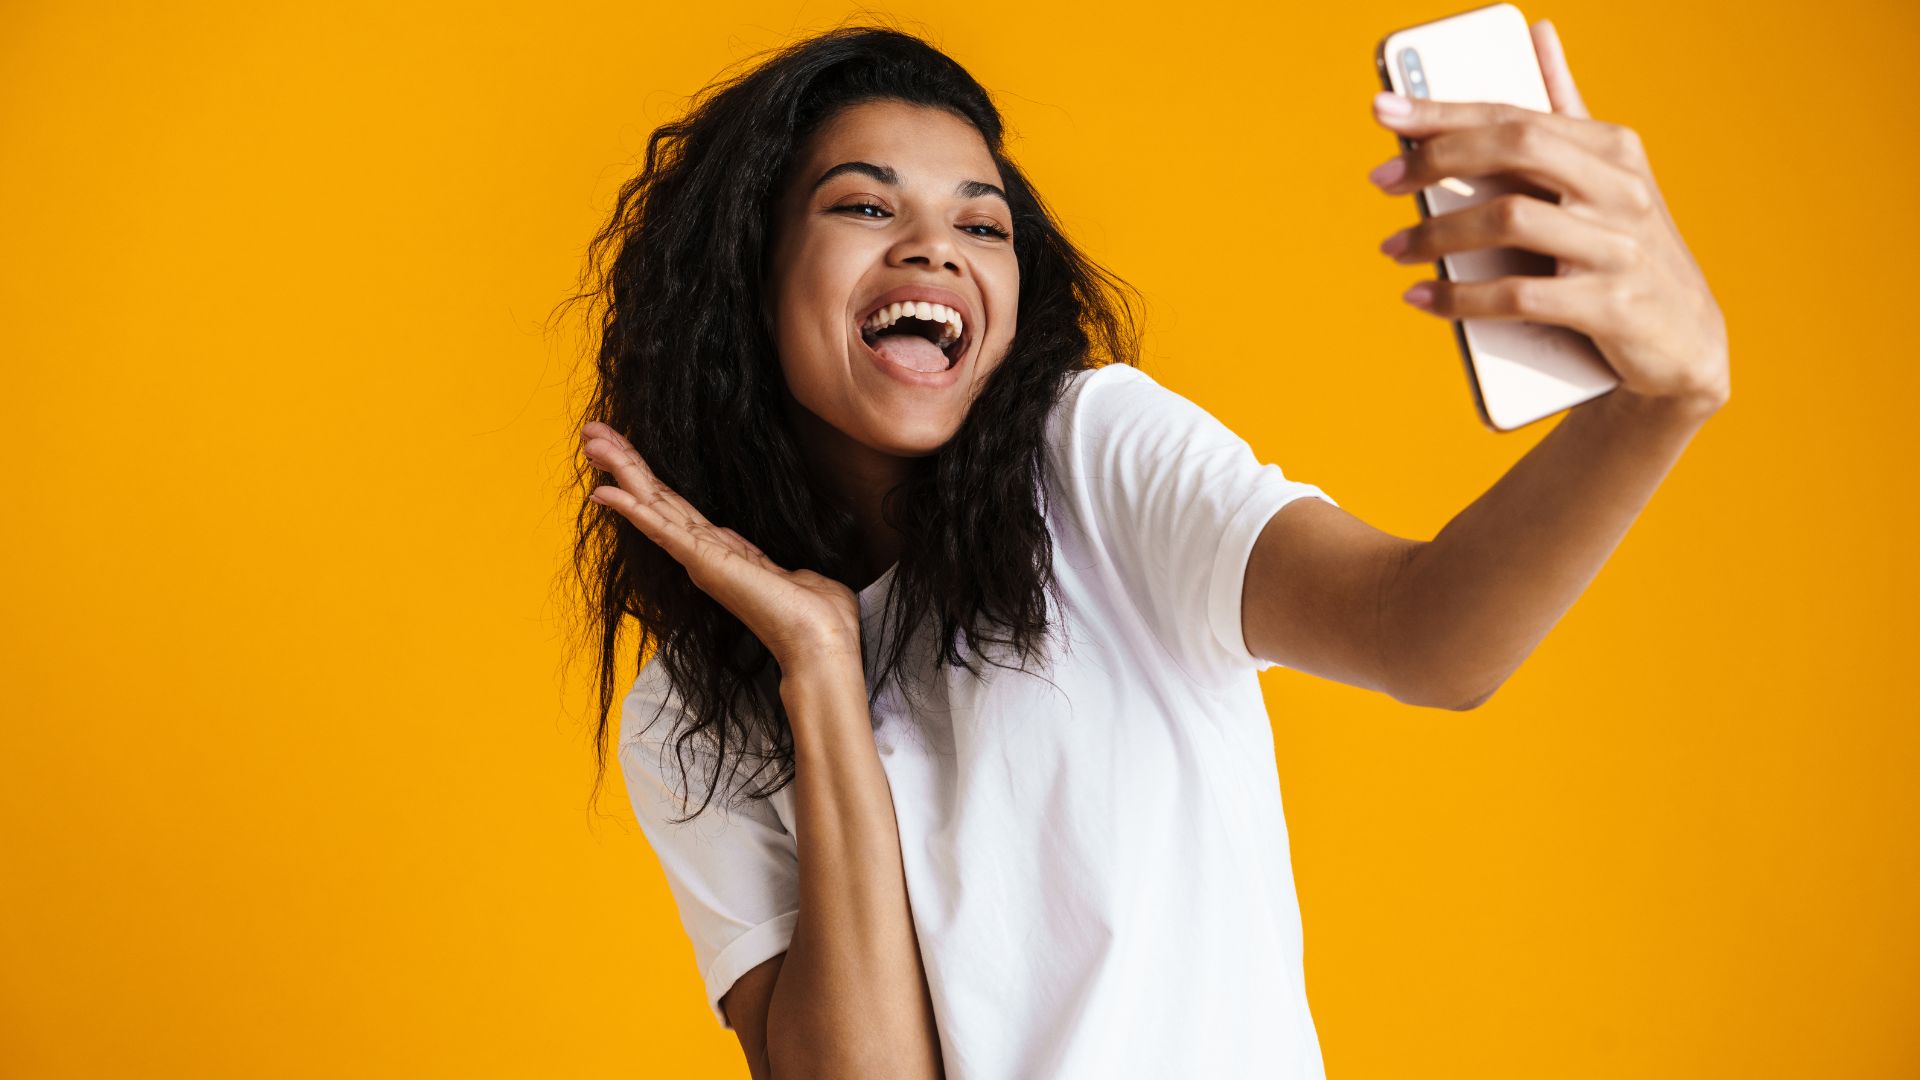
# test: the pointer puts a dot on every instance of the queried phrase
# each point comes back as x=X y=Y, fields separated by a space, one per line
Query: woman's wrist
x=827 y=679
x=820 y=653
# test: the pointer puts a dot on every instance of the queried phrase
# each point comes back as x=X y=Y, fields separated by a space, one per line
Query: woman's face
x=910 y=203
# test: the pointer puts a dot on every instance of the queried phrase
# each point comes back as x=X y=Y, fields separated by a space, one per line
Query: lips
x=932 y=295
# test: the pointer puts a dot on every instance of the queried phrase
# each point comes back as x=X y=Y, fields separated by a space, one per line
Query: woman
x=980 y=606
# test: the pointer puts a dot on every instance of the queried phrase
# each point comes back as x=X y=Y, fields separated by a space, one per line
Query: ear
x=1553 y=66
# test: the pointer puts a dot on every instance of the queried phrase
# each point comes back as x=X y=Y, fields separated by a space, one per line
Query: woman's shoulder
x=1092 y=388
x=649 y=709
x=1103 y=375
x=1116 y=407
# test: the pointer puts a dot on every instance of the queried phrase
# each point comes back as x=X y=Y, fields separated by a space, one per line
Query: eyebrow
x=966 y=189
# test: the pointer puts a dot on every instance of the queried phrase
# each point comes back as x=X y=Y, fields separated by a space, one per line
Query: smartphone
x=1519 y=371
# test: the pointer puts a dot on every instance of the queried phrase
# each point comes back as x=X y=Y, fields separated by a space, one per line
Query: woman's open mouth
x=917 y=336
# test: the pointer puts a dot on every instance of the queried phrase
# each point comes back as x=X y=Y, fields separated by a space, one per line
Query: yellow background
x=293 y=772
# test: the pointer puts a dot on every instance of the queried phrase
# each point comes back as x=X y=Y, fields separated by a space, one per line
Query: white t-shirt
x=1096 y=858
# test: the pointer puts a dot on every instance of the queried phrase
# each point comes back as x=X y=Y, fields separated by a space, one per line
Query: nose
x=926 y=242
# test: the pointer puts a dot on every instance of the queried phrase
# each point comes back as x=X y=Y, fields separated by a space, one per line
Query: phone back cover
x=1522 y=371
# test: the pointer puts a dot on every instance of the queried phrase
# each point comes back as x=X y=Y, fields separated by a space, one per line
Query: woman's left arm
x=1450 y=619
x=1467 y=607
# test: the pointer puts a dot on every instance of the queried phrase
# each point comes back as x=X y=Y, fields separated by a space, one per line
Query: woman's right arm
x=851 y=997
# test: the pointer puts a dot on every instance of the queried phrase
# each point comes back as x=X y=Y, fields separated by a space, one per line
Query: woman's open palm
x=800 y=616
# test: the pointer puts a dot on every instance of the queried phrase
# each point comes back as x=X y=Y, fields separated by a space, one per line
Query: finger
x=645 y=491
x=1525 y=147
x=1579 y=302
x=611 y=450
x=667 y=530
x=1553 y=68
x=1426 y=117
x=611 y=439
x=595 y=429
x=709 y=554
x=618 y=457
x=1518 y=221
x=636 y=477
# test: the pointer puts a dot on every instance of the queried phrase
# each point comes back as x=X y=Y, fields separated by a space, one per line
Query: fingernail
x=1395 y=244
x=1391 y=104
x=1388 y=173
x=1420 y=296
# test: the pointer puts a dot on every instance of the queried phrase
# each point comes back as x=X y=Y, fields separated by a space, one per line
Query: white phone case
x=1519 y=371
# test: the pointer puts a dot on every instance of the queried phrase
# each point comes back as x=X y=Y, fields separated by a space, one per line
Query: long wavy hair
x=688 y=371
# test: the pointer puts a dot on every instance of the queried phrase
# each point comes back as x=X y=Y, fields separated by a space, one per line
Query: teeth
x=940 y=313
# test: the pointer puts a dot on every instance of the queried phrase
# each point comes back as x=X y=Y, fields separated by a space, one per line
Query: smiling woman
x=915 y=547
x=759 y=280
x=840 y=350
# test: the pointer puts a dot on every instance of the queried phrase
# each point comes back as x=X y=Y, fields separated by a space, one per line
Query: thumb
x=1553 y=66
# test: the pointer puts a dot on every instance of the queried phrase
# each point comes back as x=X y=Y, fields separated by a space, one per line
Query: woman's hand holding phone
x=804 y=619
x=1626 y=279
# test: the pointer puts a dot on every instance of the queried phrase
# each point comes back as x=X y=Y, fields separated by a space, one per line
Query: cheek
x=818 y=290
x=1009 y=308
x=805 y=313
x=810 y=335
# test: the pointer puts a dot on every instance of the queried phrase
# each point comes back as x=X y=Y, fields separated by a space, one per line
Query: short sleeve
x=1176 y=500
x=734 y=870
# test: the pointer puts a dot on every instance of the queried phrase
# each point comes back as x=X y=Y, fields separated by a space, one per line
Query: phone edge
x=1426 y=214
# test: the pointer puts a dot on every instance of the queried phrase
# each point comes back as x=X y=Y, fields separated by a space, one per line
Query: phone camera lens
x=1414 y=74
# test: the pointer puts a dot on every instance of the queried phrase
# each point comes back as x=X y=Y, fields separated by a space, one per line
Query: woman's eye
x=856 y=210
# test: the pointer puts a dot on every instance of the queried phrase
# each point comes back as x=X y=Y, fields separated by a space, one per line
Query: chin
x=893 y=435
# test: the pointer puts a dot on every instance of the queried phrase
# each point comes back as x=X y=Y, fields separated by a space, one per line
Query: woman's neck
x=857 y=478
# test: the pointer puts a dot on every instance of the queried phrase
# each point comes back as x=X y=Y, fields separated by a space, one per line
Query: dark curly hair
x=688 y=371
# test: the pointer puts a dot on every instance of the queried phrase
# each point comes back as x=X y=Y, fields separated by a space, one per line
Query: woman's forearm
x=1470 y=605
x=851 y=999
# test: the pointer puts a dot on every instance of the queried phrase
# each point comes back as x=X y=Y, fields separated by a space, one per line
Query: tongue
x=911 y=351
